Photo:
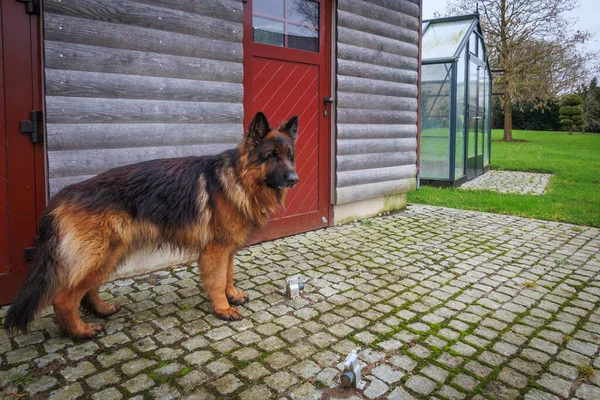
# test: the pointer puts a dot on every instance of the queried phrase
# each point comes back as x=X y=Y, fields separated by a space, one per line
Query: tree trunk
x=570 y=129
x=507 y=118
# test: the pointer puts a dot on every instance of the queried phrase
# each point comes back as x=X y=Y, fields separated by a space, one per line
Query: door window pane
x=273 y=8
x=303 y=37
x=268 y=31
x=287 y=23
x=473 y=79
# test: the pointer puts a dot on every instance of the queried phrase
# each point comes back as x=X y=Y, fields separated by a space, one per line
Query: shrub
x=571 y=113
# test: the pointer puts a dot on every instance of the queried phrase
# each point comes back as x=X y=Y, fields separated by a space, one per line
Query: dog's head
x=273 y=151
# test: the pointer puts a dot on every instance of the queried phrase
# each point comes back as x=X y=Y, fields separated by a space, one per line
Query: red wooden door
x=286 y=73
x=21 y=162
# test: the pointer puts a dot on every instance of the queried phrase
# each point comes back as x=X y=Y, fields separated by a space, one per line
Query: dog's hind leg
x=214 y=266
x=94 y=304
x=66 y=303
x=66 y=309
x=235 y=296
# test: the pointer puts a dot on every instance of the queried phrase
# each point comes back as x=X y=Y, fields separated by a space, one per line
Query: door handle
x=328 y=100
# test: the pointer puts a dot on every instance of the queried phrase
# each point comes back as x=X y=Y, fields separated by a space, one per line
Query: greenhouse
x=455 y=101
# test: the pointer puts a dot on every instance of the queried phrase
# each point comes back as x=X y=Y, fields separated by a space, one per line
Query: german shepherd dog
x=211 y=206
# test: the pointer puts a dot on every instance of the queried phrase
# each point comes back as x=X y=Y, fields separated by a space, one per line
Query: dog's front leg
x=235 y=296
x=214 y=266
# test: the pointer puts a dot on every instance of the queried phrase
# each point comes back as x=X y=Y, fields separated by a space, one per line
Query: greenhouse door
x=475 y=139
x=286 y=73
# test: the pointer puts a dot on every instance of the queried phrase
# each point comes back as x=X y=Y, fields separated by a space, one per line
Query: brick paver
x=510 y=182
x=444 y=303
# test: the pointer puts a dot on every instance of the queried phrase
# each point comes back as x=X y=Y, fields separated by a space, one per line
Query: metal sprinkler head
x=351 y=374
x=293 y=286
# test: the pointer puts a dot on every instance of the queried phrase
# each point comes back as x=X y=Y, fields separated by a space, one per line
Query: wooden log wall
x=377 y=64
x=129 y=81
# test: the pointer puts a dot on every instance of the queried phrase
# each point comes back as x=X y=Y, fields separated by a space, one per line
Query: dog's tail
x=43 y=279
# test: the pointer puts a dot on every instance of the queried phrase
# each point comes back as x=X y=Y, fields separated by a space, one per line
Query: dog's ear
x=290 y=127
x=258 y=128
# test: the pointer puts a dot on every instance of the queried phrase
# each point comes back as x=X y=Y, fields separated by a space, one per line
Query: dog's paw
x=229 y=314
x=88 y=332
x=108 y=309
x=239 y=298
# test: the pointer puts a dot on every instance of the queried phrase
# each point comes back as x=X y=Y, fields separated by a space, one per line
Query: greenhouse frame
x=456 y=94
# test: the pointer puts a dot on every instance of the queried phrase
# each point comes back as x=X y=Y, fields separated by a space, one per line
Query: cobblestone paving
x=510 y=182
x=445 y=304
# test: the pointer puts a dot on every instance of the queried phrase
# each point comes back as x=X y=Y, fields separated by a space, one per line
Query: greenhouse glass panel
x=488 y=116
x=442 y=39
x=473 y=43
x=473 y=78
x=461 y=104
x=435 y=121
x=480 y=53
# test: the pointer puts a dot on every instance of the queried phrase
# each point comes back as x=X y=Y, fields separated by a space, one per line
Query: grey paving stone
x=165 y=391
x=133 y=367
x=588 y=392
x=466 y=382
x=256 y=392
x=109 y=377
x=107 y=394
x=400 y=394
x=563 y=370
x=420 y=384
x=138 y=384
x=41 y=384
x=220 y=366
x=227 y=384
x=280 y=381
x=585 y=348
x=84 y=368
x=306 y=369
x=73 y=391
x=498 y=390
x=536 y=394
x=192 y=380
x=376 y=389
x=555 y=384
x=387 y=374
x=254 y=371
x=279 y=360
x=22 y=355
x=513 y=378
x=447 y=392
x=436 y=373
x=328 y=377
x=305 y=391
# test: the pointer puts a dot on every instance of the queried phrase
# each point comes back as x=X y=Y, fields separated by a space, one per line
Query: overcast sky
x=588 y=16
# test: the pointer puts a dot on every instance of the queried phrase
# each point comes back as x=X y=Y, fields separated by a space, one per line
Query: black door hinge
x=31 y=7
x=30 y=251
x=33 y=126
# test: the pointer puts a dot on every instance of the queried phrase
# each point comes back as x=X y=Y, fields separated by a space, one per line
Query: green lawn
x=574 y=192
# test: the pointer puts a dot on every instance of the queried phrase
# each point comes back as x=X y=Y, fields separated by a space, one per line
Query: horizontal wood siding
x=377 y=64
x=129 y=81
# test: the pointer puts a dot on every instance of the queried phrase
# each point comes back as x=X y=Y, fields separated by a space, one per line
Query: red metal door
x=21 y=162
x=286 y=73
